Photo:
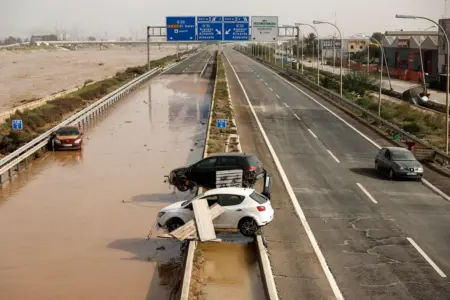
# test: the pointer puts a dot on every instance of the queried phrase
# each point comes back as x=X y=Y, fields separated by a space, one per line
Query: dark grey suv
x=203 y=173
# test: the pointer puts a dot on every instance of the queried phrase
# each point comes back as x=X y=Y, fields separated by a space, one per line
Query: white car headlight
x=419 y=169
x=57 y=141
x=161 y=214
x=77 y=141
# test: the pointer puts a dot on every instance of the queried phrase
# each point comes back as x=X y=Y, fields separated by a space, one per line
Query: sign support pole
x=148 y=48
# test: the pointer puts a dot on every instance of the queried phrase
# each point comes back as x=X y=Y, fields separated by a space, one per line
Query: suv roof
x=230 y=154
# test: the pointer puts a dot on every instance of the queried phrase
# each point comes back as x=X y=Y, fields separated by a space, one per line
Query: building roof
x=417 y=39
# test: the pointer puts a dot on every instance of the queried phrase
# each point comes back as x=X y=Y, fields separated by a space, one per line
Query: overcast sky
x=119 y=18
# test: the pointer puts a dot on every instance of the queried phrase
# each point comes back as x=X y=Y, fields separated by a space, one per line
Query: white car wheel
x=248 y=227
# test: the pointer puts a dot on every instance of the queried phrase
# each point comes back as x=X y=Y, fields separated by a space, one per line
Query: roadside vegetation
x=221 y=109
x=359 y=87
x=426 y=125
x=38 y=120
x=198 y=278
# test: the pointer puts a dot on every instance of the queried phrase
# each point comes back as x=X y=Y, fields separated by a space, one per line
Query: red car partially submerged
x=67 y=137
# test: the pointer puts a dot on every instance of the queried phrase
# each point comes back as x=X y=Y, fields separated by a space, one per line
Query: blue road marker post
x=17 y=124
x=221 y=124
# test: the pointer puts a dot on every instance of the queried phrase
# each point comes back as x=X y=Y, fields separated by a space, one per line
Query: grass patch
x=221 y=109
x=40 y=119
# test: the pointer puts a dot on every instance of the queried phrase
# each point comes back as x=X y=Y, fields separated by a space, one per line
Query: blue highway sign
x=210 y=28
x=180 y=29
x=221 y=123
x=17 y=124
x=236 y=28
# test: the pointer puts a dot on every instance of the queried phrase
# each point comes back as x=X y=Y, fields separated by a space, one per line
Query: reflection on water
x=66 y=231
x=231 y=272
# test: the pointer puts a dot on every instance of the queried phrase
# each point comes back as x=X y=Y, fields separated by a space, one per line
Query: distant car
x=397 y=162
x=67 y=137
x=203 y=173
x=245 y=210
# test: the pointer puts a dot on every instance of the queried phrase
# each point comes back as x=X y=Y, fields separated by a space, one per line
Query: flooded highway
x=74 y=224
x=231 y=271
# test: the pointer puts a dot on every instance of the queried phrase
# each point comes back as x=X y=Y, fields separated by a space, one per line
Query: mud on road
x=74 y=224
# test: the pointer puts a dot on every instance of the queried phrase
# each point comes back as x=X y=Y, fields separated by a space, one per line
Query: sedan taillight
x=261 y=208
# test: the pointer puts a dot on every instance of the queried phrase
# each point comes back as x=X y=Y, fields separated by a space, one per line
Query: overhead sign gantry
x=219 y=28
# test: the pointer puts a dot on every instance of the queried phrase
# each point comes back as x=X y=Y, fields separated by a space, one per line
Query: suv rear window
x=258 y=198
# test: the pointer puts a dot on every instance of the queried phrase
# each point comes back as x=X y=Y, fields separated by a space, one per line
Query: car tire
x=248 y=227
x=174 y=223
x=391 y=174
x=182 y=188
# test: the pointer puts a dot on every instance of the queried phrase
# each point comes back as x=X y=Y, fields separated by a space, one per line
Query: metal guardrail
x=16 y=157
x=438 y=155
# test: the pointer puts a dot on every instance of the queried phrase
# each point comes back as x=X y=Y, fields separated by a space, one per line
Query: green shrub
x=358 y=82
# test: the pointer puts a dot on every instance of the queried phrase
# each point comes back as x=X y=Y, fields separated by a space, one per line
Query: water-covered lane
x=73 y=225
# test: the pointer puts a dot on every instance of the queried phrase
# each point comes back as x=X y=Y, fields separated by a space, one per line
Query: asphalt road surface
x=192 y=65
x=74 y=224
x=380 y=239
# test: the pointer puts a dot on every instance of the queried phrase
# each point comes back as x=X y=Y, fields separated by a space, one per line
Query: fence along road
x=65 y=214
x=393 y=247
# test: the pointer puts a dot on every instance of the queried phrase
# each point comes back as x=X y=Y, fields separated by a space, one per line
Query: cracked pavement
x=364 y=243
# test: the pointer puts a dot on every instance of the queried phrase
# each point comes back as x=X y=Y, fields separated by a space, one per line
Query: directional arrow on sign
x=218 y=32
x=228 y=31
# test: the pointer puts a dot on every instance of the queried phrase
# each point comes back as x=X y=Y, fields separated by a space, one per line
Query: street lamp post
x=300 y=32
x=421 y=59
x=448 y=71
x=318 y=49
x=342 y=48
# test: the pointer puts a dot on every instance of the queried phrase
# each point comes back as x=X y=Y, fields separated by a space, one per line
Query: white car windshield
x=189 y=201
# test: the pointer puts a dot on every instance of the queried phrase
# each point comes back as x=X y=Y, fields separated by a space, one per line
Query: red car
x=67 y=137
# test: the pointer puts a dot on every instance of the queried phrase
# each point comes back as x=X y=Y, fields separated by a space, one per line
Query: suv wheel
x=248 y=227
x=174 y=223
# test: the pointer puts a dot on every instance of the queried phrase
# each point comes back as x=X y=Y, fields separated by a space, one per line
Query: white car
x=245 y=209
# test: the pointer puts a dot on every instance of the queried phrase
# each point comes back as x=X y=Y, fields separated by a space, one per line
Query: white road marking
x=424 y=181
x=312 y=133
x=257 y=75
x=285 y=104
x=271 y=89
x=266 y=83
x=333 y=156
x=294 y=200
x=366 y=192
x=278 y=96
x=426 y=257
x=297 y=117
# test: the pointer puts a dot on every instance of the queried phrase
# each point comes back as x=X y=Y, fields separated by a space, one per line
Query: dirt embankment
x=38 y=120
x=37 y=73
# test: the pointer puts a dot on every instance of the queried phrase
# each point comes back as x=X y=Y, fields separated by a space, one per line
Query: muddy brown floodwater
x=232 y=271
x=74 y=224
x=34 y=74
